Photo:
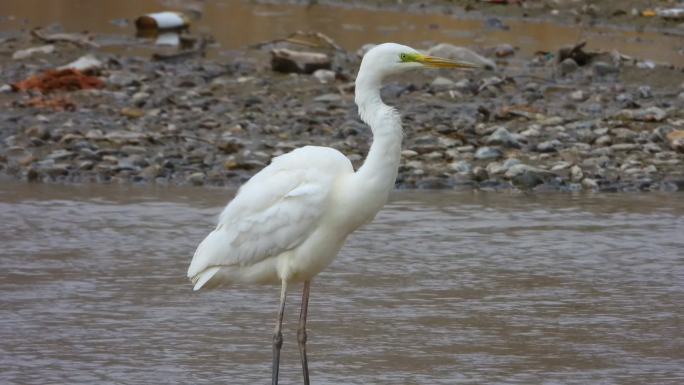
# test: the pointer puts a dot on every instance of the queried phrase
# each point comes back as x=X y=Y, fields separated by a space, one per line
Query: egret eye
x=403 y=57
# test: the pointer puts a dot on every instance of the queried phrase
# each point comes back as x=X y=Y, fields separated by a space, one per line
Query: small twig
x=77 y=39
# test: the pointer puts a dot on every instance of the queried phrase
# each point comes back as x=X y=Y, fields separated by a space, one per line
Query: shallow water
x=237 y=23
x=442 y=288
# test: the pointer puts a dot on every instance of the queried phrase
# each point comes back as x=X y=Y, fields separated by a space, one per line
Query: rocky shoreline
x=610 y=124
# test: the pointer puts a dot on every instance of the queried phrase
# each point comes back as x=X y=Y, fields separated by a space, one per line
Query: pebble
x=502 y=137
x=196 y=178
x=604 y=69
x=324 y=76
x=568 y=66
x=576 y=173
x=441 y=84
x=461 y=167
x=650 y=114
x=504 y=50
x=484 y=153
x=329 y=98
x=549 y=145
x=579 y=96
x=645 y=92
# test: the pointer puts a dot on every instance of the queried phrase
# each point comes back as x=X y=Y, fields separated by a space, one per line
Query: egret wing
x=273 y=212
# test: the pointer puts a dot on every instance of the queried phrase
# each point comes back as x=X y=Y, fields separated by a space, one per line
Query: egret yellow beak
x=438 y=62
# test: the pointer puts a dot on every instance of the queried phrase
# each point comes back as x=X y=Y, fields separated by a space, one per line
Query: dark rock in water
x=568 y=66
x=527 y=180
x=493 y=185
x=496 y=23
x=480 y=174
x=463 y=182
x=484 y=153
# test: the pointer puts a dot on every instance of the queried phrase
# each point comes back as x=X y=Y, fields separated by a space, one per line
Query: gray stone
x=61 y=154
x=604 y=140
x=495 y=168
x=461 y=167
x=624 y=134
x=590 y=184
x=579 y=96
x=527 y=177
x=601 y=68
x=324 y=76
x=624 y=147
x=485 y=153
x=480 y=174
x=532 y=132
x=502 y=137
x=329 y=98
x=441 y=84
x=576 y=173
x=650 y=114
x=645 y=92
x=549 y=146
x=660 y=133
x=196 y=178
x=568 y=66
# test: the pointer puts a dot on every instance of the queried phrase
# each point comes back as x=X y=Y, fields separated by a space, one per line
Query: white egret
x=288 y=222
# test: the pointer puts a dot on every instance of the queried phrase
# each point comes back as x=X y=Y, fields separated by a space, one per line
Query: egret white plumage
x=288 y=222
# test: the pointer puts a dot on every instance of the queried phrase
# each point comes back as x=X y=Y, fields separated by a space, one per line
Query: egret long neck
x=372 y=183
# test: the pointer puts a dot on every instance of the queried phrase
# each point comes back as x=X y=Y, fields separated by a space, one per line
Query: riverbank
x=610 y=123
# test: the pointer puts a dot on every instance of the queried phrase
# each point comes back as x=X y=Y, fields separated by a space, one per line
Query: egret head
x=391 y=58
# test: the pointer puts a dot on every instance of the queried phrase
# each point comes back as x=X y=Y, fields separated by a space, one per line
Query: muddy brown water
x=442 y=288
x=236 y=24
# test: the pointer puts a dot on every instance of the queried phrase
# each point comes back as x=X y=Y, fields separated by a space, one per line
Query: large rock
x=451 y=51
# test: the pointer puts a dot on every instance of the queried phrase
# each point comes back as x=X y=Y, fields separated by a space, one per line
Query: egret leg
x=278 y=335
x=301 y=331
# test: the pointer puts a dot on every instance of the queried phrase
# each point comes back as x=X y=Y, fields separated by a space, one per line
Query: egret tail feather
x=202 y=278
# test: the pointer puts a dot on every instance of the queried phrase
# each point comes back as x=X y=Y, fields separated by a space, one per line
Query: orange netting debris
x=66 y=79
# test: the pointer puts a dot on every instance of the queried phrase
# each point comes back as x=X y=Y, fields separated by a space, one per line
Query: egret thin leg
x=301 y=331
x=278 y=335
